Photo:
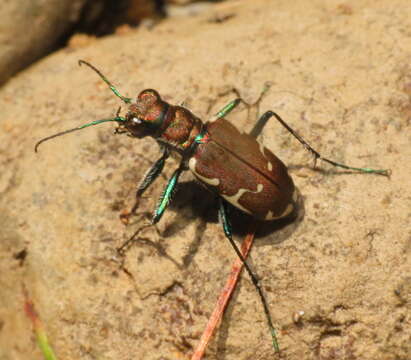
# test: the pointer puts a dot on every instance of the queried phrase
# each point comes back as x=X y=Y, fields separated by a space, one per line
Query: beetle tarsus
x=125 y=216
x=267 y=115
x=121 y=250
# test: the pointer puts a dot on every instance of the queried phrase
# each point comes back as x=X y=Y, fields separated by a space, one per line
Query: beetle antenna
x=110 y=85
x=96 y=122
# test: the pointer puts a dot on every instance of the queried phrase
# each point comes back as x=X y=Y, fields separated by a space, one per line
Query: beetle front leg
x=167 y=194
x=225 y=222
x=266 y=116
x=152 y=173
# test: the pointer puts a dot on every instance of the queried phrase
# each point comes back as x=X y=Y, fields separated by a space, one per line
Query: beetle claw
x=125 y=216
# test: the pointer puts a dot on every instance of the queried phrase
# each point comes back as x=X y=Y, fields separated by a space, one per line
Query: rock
x=338 y=78
x=30 y=29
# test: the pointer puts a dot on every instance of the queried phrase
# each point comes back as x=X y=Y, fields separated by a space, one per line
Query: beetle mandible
x=231 y=164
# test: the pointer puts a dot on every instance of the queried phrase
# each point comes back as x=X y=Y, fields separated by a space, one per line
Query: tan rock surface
x=340 y=74
x=31 y=29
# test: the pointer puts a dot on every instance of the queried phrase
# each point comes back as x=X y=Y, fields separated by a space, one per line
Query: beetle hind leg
x=225 y=222
x=267 y=115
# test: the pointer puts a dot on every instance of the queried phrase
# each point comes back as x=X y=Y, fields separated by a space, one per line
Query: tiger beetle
x=230 y=163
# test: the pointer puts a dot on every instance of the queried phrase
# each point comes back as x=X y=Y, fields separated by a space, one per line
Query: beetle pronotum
x=231 y=164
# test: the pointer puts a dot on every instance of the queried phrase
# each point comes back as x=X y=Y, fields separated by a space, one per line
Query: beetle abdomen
x=243 y=172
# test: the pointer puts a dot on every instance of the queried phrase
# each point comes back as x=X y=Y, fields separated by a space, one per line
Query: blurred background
x=30 y=30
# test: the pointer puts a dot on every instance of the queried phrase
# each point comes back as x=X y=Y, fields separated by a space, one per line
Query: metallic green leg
x=167 y=195
x=152 y=174
x=225 y=222
x=234 y=103
x=266 y=116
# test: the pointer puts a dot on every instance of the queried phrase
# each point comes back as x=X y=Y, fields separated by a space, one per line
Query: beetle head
x=146 y=116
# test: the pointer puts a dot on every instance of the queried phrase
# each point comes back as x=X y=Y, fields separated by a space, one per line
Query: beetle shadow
x=193 y=202
x=201 y=205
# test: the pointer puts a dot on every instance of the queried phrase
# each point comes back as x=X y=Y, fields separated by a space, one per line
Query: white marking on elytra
x=233 y=199
x=287 y=211
x=295 y=195
x=192 y=166
x=262 y=148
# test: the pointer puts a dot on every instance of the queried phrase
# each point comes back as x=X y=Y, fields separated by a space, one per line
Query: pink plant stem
x=225 y=296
